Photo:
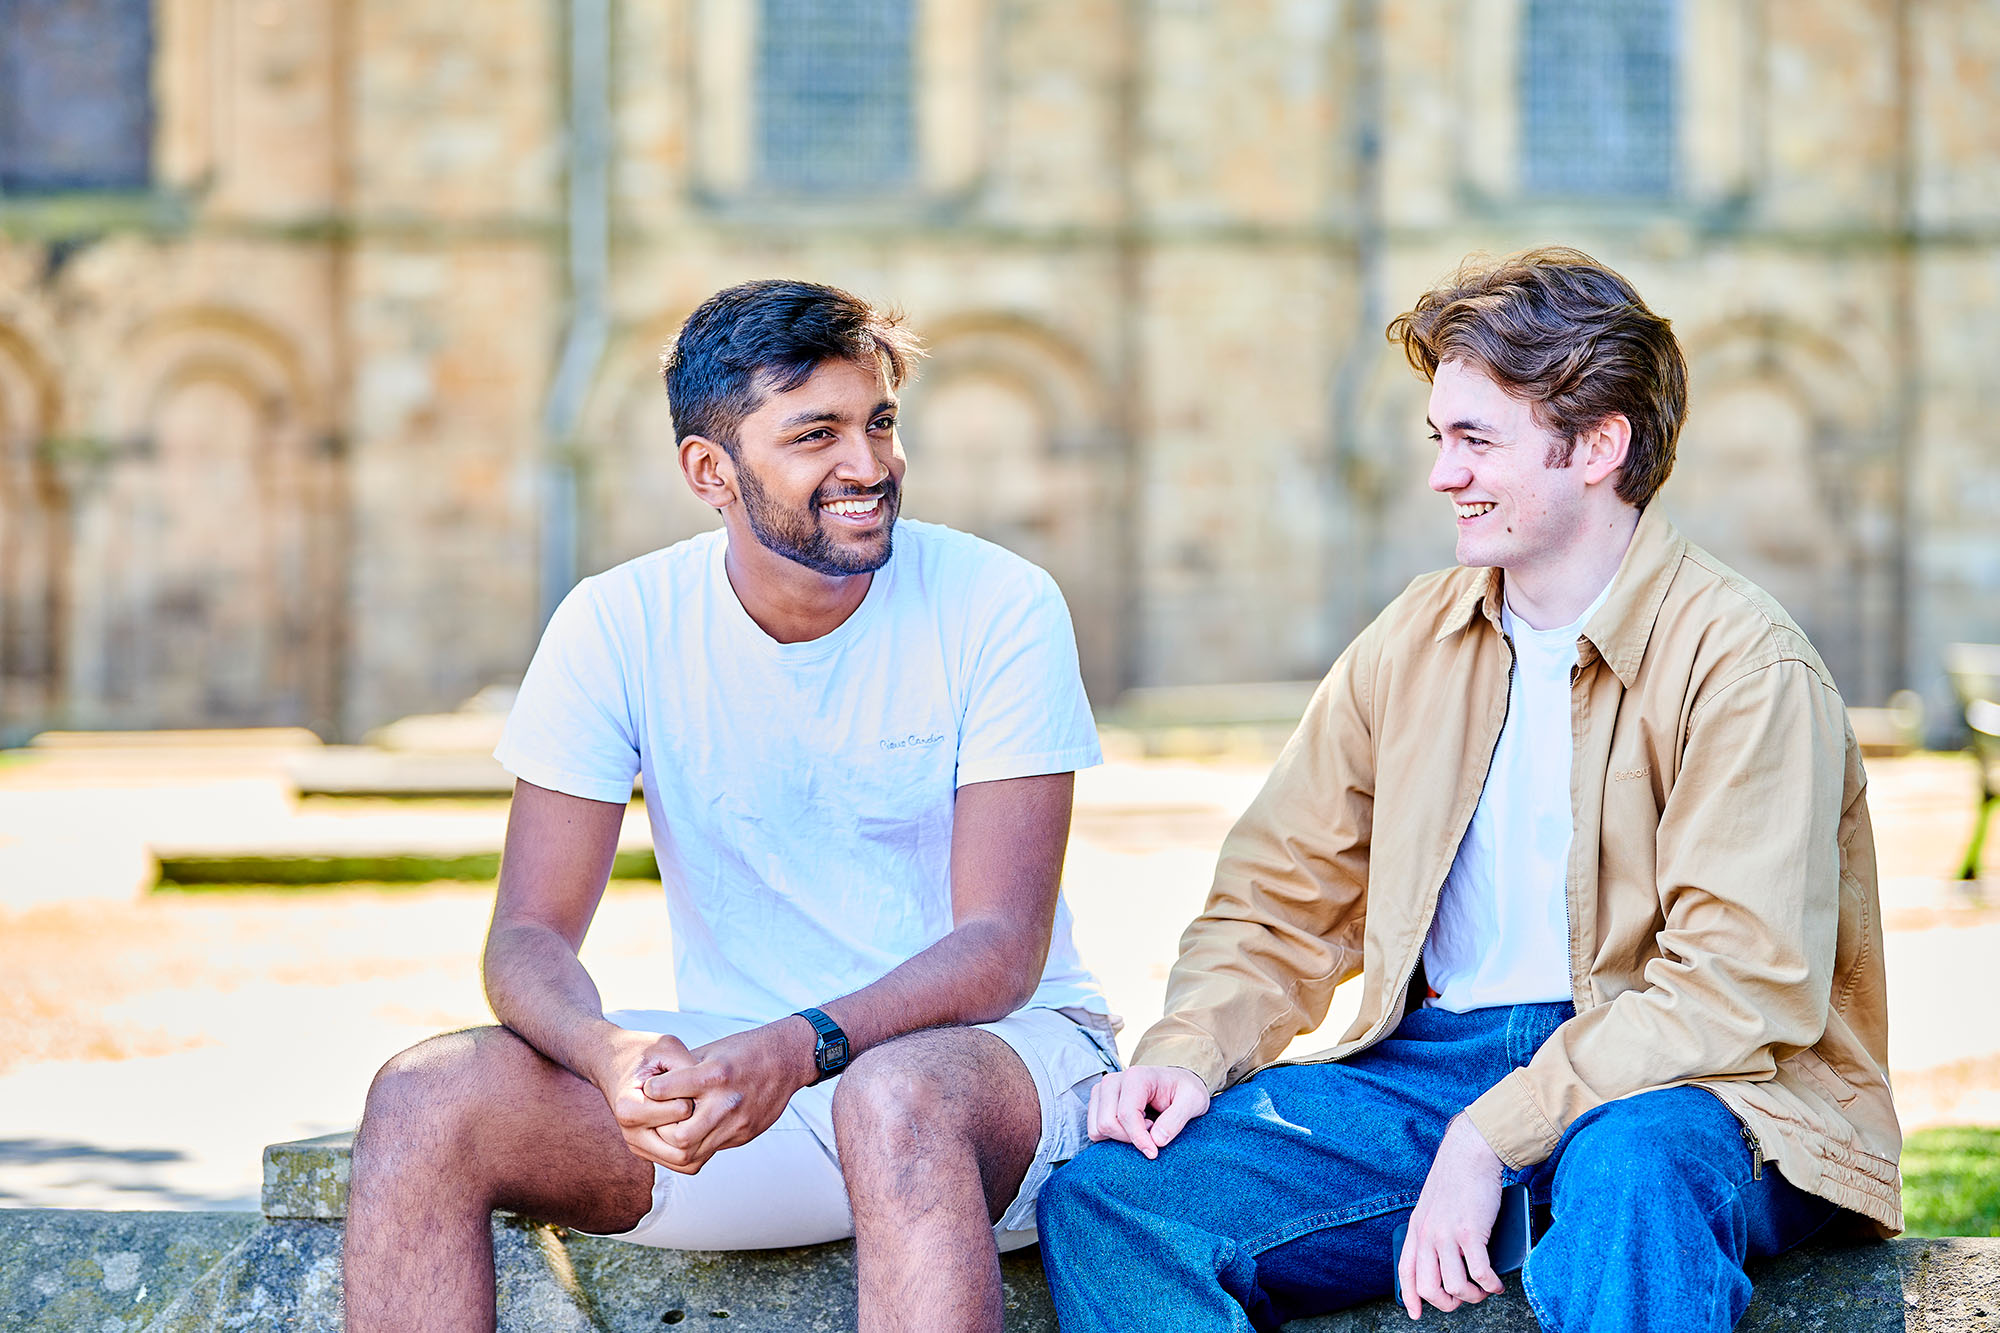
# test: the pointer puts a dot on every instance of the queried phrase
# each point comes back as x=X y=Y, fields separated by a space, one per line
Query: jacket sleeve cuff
x=1513 y=1126
x=1194 y=1053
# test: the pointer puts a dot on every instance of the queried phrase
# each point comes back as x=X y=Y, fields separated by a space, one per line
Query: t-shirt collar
x=1622 y=624
x=806 y=650
x=1513 y=624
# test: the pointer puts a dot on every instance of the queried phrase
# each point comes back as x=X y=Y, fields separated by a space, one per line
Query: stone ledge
x=204 y=1272
x=307 y=1178
x=207 y=1272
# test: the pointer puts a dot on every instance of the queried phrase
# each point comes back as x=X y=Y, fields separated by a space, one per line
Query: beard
x=802 y=536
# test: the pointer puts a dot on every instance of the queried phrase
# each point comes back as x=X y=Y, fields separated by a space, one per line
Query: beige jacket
x=1724 y=925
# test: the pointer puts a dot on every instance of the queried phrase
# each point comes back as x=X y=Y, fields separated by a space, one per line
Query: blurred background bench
x=1974 y=669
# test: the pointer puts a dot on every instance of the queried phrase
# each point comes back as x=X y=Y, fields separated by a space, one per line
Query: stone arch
x=1402 y=528
x=1845 y=389
x=1061 y=373
x=219 y=341
x=1008 y=435
x=29 y=400
x=33 y=539
x=629 y=485
x=209 y=553
x=1783 y=472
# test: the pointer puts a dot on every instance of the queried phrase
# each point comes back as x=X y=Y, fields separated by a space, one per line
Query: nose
x=858 y=463
x=1448 y=473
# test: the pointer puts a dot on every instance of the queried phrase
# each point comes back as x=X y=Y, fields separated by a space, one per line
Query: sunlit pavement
x=151 y=1044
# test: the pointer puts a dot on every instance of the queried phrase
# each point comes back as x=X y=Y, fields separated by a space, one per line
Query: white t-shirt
x=801 y=794
x=1501 y=934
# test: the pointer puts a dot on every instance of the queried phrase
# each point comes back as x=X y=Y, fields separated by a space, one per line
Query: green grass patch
x=221 y=870
x=247 y=890
x=224 y=872
x=1951 y=1182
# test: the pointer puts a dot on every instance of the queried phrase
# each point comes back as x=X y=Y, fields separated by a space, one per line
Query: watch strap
x=830 y=1051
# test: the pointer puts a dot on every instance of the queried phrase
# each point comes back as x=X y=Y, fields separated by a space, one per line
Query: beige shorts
x=784 y=1187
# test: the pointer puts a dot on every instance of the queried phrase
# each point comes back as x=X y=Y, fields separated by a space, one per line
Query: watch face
x=833 y=1055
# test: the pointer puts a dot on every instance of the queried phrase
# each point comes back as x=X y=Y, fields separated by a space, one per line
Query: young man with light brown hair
x=1585 y=818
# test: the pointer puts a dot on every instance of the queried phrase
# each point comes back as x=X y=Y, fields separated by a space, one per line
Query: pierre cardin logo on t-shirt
x=911 y=741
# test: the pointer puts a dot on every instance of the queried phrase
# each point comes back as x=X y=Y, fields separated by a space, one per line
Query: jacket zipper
x=1743 y=1128
x=1569 y=922
x=1756 y=1151
x=1409 y=973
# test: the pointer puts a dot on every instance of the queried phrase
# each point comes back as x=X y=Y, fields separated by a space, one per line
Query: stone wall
x=271 y=438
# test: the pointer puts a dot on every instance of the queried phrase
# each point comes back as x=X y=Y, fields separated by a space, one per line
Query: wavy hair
x=1560 y=330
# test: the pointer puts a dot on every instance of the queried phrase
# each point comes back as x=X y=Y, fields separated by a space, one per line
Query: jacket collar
x=1624 y=624
x=1482 y=592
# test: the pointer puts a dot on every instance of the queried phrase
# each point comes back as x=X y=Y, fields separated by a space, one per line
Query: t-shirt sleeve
x=571 y=727
x=1025 y=710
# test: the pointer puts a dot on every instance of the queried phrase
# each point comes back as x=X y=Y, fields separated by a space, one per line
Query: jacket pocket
x=1809 y=1065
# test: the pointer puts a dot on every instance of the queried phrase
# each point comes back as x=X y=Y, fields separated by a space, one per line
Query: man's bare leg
x=454 y=1128
x=936 y=1131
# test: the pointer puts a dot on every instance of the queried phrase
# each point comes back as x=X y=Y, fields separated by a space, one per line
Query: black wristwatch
x=830 y=1051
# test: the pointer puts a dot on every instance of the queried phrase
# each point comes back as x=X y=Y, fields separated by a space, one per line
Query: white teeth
x=852 y=508
x=1473 y=510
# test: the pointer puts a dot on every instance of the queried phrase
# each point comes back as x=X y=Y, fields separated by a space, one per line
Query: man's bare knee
x=951 y=1099
x=900 y=1090
x=421 y=1106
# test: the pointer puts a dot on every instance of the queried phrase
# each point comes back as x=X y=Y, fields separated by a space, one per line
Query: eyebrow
x=810 y=419
x=823 y=417
x=1467 y=427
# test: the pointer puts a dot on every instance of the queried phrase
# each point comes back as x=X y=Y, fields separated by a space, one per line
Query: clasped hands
x=1444 y=1260
x=679 y=1107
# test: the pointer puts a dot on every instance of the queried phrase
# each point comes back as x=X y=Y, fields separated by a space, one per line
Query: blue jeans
x=1280 y=1201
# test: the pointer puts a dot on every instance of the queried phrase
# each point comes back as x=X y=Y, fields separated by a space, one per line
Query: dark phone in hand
x=1507 y=1250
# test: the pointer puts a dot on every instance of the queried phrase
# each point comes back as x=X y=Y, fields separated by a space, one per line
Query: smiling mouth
x=853 y=506
x=1474 y=510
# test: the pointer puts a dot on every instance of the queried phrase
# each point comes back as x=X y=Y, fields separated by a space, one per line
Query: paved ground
x=150 y=1044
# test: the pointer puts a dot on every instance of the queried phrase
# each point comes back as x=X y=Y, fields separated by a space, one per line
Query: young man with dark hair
x=1586 y=817
x=858 y=742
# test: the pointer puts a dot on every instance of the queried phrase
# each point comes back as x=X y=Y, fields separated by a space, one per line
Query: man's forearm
x=739 y=1085
x=538 y=987
x=1008 y=839
x=1007 y=843
x=981 y=971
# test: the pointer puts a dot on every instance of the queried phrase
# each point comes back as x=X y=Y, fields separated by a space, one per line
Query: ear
x=709 y=470
x=1602 y=448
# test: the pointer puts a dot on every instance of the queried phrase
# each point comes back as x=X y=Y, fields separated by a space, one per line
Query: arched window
x=834 y=82
x=1598 y=97
x=76 y=104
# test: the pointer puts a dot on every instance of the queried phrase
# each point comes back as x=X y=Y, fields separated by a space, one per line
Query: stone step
x=362 y=770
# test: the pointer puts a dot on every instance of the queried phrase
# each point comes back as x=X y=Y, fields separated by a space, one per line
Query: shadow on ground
x=123 y=1171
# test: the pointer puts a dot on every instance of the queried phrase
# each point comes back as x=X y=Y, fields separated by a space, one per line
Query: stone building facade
x=313 y=399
